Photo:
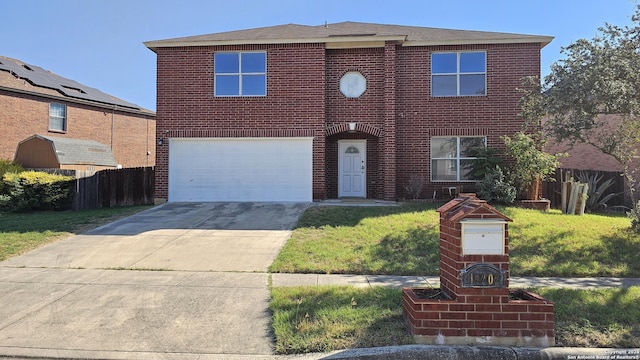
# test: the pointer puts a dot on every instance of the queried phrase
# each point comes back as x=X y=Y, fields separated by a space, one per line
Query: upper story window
x=459 y=73
x=240 y=74
x=452 y=158
x=57 y=117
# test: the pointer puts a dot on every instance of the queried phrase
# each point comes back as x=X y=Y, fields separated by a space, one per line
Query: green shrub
x=33 y=191
x=486 y=161
x=494 y=188
x=8 y=166
x=532 y=164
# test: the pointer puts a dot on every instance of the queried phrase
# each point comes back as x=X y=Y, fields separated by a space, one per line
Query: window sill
x=57 y=131
x=238 y=96
x=453 y=181
x=457 y=96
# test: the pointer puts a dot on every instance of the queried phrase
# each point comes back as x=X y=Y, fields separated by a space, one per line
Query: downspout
x=146 y=159
x=113 y=113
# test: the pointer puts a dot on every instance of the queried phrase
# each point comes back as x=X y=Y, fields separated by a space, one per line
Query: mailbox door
x=483 y=238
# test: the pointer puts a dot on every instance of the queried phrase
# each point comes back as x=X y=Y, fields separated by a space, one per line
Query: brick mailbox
x=474 y=304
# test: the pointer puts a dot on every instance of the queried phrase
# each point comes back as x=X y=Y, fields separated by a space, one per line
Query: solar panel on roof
x=40 y=77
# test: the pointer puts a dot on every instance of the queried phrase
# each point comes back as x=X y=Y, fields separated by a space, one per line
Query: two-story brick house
x=35 y=102
x=295 y=113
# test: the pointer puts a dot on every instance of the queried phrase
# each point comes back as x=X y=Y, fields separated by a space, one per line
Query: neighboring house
x=34 y=101
x=583 y=156
x=54 y=152
x=301 y=113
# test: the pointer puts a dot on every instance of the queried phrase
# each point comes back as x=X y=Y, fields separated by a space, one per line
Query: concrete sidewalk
x=116 y=314
x=112 y=314
x=434 y=281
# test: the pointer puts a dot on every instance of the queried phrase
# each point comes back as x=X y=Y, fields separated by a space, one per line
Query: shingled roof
x=18 y=76
x=469 y=206
x=77 y=151
x=350 y=32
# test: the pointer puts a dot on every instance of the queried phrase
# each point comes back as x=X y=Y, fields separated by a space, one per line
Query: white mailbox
x=483 y=237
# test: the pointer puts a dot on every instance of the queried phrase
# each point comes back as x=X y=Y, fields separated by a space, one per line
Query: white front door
x=352 y=168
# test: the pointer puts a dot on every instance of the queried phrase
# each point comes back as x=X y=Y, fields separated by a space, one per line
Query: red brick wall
x=294 y=105
x=389 y=147
x=512 y=318
x=452 y=261
x=22 y=116
x=420 y=116
x=367 y=109
x=303 y=99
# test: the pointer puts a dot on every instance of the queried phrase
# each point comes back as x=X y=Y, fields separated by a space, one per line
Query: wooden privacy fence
x=553 y=190
x=108 y=188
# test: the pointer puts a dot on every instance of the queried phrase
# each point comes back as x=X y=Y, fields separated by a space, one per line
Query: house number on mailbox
x=482 y=275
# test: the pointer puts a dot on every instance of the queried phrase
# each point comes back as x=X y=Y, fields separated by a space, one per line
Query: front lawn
x=320 y=319
x=363 y=240
x=22 y=232
x=555 y=244
x=404 y=240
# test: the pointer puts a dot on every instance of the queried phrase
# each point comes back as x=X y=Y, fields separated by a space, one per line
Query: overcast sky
x=99 y=43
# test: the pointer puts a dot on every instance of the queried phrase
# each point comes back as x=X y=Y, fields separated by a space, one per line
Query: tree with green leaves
x=532 y=164
x=598 y=78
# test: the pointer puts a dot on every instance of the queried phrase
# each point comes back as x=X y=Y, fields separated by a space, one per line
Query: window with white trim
x=57 y=117
x=459 y=73
x=240 y=74
x=452 y=158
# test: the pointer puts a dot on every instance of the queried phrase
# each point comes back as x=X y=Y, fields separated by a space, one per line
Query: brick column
x=475 y=313
x=452 y=262
x=319 y=177
x=388 y=148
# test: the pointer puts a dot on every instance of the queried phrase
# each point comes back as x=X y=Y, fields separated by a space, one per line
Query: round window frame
x=353 y=84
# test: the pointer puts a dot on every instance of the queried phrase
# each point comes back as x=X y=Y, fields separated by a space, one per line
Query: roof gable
x=468 y=206
x=350 y=32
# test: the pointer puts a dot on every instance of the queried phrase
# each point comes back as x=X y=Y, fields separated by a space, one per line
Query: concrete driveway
x=235 y=237
x=207 y=296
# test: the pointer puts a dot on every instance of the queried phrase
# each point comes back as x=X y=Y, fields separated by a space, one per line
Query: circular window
x=353 y=84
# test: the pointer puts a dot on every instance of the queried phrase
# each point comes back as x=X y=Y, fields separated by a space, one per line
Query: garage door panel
x=256 y=169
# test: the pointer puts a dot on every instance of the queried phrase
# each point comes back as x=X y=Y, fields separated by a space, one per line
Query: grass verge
x=404 y=240
x=321 y=319
x=596 y=318
x=22 y=232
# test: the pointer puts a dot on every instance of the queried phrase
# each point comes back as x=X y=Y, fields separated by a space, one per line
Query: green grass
x=554 y=244
x=404 y=240
x=320 y=319
x=363 y=240
x=22 y=232
x=596 y=318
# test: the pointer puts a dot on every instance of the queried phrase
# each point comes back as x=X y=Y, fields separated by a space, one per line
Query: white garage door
x=240 y=169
